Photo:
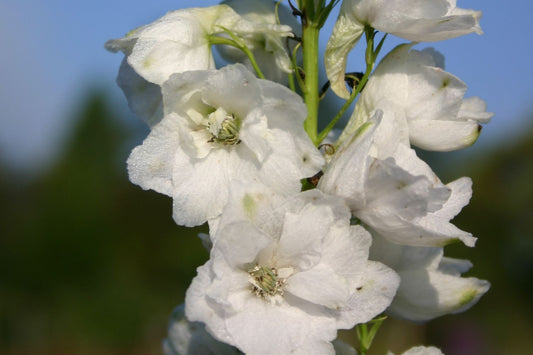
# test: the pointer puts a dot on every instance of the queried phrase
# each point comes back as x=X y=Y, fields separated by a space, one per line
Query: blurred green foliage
x=93 y=264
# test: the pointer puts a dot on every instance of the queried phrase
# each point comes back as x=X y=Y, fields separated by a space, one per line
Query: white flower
x=431 y=100
x=269 y=48
x=421 y=350
x=421 y=21
x=175 y=43
x=431 y=285
x=221 y=126
x=188 y=338
x=287 y=276
x=393 y=191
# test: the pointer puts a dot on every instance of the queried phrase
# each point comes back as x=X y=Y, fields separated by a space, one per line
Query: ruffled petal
x=144 y=98
x=150 y=165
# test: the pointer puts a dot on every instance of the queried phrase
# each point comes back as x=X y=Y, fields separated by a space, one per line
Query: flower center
x=224 y=127
x=266 y=282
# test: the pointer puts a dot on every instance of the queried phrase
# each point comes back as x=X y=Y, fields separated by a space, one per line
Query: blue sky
x=51 y=51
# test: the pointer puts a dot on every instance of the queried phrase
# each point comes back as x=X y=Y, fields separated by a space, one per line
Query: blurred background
x=91 y=263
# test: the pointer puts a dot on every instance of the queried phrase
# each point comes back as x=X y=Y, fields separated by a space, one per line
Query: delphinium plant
x=311 y=229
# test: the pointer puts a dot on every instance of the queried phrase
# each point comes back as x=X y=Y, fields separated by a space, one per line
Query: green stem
x=346 y=105
x=310 y=61
x=366 y=335
x=292 y=84
x=362 y=335
x=236 y=44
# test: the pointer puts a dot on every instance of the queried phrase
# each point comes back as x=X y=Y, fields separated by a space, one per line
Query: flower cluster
x=305 y=238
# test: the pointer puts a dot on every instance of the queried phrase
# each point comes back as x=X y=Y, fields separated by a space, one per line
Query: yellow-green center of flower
x=265 y=282
x=224 y=127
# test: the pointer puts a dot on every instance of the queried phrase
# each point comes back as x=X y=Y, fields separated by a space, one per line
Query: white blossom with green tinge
x=431 y=284
x=421 y=350
x=415 y=20
x=430 y=100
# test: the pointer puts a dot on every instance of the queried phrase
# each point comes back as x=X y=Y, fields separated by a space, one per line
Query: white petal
x=256 y=135
x=423 y=350
x=346 y=251
x=474 y=108
x=407 y=159
x=294 y=155
x=150 y=165
x=438 y=29
x=416 y=20
x=292 y=329
x=157 y=60
x=437 y=223
x=196 y=306
x=144 y=98
x=430 y=231
x=401 y=257
x=301 y=239
x=200 y=187
x=253 y=202
x=320 y=285
x=443 y=136
x=461 y=193
x=239 y=243
x=233 y=88
x=174 y=43
x=374 y=293
x=431 y=285
x=345 y=175
x=426 y=294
